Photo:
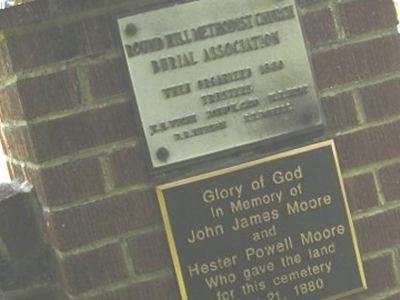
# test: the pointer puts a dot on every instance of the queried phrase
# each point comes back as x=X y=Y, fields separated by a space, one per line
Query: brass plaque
x=212 y=75
x=278 y=228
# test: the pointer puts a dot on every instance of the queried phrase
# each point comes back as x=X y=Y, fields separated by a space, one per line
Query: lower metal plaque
x=278 y=228
x=212 y=75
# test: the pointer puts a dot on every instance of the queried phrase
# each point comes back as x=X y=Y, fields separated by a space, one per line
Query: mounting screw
x=131 y=29
x=163 y=154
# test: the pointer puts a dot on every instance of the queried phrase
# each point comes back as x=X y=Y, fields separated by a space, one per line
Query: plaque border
x=315 y=130
x=293 y=152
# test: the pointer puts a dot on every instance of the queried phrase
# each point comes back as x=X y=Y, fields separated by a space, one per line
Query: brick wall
x=69 y=126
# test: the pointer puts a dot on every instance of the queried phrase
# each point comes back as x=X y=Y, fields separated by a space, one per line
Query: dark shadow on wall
x=25 y=259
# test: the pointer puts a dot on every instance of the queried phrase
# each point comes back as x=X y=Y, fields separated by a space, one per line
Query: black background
x=188 y=211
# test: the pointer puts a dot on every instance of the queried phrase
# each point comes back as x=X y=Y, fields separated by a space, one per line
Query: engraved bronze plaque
x=278 y=228
x=212 y=75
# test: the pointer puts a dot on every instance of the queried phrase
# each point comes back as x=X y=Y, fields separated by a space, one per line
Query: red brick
x=381 y=100
x=85 y=37
x=369 y=145
x=34 y=49
x=146 y=5
x=161 y=289
x=85 y=130
x=48 y=94
x=58 y=137
x=380 y=275
x=102 y=33
x=149 y=252
x=76 y=6
x=390 y=181
x=16 y=171
x=363 y=16
x=79 y=180
x=128 y=166
x=80 y=225
x=96 y=268
x=40 y=293
x=10 y=105
x=361 y=192
x=108 y=79
x=319 y=26
x=22 y=172
x=340 y=112
x=29 y=13
x=5 y=63
x=17 y=143
x=379 y=231
x=304 y=3
x=357 y=62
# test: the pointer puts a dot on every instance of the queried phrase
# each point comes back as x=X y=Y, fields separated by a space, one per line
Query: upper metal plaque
x=216 y=74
